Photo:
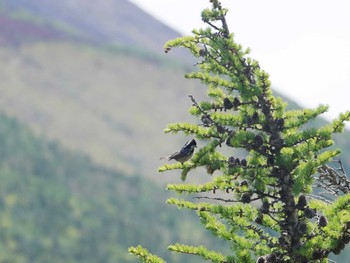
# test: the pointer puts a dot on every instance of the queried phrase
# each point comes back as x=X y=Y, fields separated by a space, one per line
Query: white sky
x=303 y=44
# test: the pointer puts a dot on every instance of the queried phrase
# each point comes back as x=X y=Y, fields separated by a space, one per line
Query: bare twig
x=209 y=120
x=217 y=199
x=333 y=180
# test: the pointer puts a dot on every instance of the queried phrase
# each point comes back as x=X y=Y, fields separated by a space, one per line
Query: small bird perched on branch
x=184 y=154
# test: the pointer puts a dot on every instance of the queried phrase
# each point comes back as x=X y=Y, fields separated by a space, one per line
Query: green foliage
x=144 y=255
x=200 y=251
x=265 y=205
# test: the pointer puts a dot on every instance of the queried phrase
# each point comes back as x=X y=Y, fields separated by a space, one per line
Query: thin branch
x=209 y=119
x=217 y=199
x=333 y=180
x=320 y=198
x=262 y=235
x=212 y=25
x=223 y=21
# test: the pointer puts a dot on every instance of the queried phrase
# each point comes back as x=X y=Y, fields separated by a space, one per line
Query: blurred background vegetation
x=86 y=91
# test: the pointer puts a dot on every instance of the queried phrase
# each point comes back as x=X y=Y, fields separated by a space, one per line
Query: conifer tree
x=287 y=199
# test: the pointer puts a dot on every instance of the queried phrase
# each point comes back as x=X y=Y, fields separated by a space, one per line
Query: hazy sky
x=303 y=44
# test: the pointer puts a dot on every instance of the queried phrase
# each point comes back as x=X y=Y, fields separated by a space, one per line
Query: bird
x=184 y=154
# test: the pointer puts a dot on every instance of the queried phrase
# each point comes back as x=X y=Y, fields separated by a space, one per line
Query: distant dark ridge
x=108 y=22
x=14 y=31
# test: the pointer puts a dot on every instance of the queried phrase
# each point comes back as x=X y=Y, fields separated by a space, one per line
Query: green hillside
x=103 y=102
x=111 y=104
x=57 y=206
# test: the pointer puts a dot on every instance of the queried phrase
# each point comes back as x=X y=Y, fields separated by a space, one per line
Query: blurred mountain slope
x=105 y=103
x=58 y=206
x=111 y=102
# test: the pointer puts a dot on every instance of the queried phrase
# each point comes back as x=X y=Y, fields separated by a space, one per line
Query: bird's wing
x=174 y=155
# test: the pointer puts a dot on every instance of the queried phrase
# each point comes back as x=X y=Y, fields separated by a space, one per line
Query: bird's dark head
x=192 y=143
